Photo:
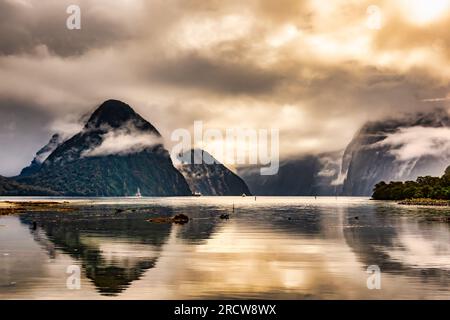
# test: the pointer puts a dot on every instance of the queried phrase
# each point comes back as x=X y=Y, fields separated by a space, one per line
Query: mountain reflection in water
x=270 y=248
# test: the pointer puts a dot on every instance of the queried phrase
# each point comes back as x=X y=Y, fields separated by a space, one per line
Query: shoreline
x=12 y=207
x=425 y=202
x=16 y=207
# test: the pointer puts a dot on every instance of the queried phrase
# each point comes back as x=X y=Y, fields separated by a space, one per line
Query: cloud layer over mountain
x=123 y=142
x=316 y=70
x=416 y=142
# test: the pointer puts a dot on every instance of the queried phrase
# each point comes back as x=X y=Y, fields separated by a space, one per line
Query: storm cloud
x=316 y=71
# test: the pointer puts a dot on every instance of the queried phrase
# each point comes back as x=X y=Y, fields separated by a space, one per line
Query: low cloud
x=122 y=142
x=332 y=169
x=416 y=142
x=68 y=126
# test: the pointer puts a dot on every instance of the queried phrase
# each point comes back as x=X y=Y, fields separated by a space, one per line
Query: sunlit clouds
x=315 y=70
x=415 y=142
x=423 y=11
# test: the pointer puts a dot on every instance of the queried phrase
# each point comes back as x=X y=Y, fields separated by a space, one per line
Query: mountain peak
x=113 y=113
x=117 y=114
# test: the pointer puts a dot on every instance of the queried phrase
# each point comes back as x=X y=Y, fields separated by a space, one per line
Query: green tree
x=423 y=187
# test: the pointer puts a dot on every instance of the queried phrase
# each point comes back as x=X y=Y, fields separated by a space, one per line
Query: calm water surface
x=271 y=248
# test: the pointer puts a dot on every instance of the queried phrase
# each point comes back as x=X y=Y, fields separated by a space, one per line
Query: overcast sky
x=315 y=69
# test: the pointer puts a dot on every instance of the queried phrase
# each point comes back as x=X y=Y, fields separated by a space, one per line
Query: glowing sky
x=317 y=70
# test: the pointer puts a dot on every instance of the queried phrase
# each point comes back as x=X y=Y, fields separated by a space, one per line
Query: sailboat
x=138 y=193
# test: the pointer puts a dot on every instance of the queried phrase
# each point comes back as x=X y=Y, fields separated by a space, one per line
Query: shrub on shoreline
x=428 y=187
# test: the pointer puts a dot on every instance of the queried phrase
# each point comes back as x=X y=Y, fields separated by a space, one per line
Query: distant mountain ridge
x=205 y=175
x=304 y=176
x=371 y=157
x=118 y=152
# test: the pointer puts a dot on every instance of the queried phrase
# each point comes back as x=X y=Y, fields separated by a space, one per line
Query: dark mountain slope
x=305 y=176
x=9 y=187
x=211 y=178
x=368 y=161
x=116 y=153
x=41 y=156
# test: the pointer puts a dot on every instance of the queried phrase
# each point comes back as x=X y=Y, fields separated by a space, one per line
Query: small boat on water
x=197 y=194
x=138 y=193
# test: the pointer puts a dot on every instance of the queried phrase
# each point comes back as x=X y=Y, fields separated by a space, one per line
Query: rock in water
x=116 y=153
x=177 y=219
x=180 y=219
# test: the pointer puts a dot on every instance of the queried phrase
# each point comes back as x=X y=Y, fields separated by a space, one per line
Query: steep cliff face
x=397 y=149
x=394 y=149
x=116 y=153
x=306 y=176
x=209 y=177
